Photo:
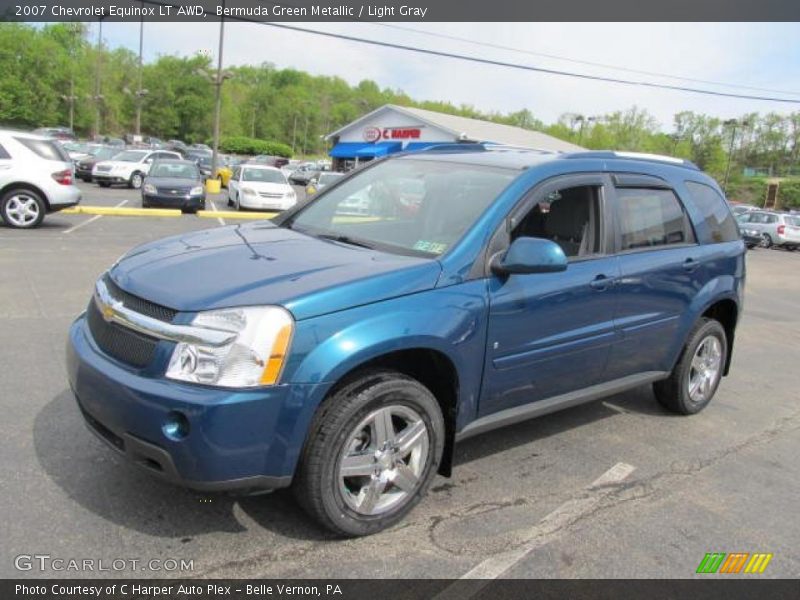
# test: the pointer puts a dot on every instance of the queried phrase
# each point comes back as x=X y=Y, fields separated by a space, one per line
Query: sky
x=761 y=55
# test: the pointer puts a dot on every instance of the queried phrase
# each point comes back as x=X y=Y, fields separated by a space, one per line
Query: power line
x=498 y=63
x=581 y=62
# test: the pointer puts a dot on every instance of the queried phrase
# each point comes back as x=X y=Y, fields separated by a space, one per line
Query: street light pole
x=97 y=96
x=140 y=92
x=218 y=97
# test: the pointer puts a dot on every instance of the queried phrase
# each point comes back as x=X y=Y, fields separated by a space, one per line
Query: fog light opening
x=176 y=427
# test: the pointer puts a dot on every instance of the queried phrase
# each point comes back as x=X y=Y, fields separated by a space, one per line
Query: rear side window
x=650 y=217
x=4 y=153
x=716 y=215
x=44 y=149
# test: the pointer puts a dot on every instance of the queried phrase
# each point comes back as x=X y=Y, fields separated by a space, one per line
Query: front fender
x=449 y=320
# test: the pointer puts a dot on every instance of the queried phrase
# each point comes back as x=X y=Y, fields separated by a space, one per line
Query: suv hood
x=259 y=263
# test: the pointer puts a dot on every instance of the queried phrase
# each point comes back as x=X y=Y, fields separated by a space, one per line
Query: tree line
x=51 y=71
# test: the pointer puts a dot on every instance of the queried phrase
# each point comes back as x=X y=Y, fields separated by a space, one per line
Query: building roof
x=476 y=130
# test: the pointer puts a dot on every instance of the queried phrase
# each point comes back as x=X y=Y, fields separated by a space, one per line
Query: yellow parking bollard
x=213 y=186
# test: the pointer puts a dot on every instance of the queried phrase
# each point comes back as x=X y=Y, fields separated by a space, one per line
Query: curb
x=229 y=214
x=122 y=211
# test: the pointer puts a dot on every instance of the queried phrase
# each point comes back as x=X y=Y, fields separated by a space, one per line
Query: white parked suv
x=36 y=177
x=129 y=167
x=260 y=187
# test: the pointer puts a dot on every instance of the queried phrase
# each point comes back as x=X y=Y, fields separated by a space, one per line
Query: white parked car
x=260 y=187
x=36 y=177
x=129 y=167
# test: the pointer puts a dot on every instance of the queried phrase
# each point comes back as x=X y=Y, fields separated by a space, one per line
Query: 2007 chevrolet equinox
x=344 y=347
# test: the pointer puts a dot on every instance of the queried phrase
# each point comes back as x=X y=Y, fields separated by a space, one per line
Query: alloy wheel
x=705 y=369
x=383 y=460
x=22 y=210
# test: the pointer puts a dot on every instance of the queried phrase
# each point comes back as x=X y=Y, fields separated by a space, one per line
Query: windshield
x=131 y=155
x=181 y=171
x=328 y=178
x=263 y=175
x=415 y=206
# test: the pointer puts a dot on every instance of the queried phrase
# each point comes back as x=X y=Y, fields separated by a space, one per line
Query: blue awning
x=364 y=149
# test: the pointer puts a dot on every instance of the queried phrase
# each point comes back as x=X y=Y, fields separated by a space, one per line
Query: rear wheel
x=22 y=209
x=136 y=181
x=696 y=376
x=372 y=452
x=104 y=184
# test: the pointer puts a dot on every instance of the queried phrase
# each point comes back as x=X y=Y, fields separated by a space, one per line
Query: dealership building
x=392 y=128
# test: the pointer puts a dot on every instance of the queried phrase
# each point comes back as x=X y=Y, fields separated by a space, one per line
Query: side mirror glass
x=531 y=255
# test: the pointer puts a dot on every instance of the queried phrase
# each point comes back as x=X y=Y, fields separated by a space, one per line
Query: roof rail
x=634 y=156
x=479 y=147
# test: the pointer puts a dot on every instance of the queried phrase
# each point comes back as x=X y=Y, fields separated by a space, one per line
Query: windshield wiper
x=335 y=237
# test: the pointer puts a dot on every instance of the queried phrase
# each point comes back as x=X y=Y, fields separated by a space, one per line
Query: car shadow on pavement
x=638 y=401
x=104 y=483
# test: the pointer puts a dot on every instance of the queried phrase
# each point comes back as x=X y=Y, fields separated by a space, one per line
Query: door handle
x=690 y=264
x=601 y=282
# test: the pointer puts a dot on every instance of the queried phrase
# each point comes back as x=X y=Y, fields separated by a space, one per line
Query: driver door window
x=570 y=217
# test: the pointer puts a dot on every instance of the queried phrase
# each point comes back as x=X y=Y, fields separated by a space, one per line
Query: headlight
x=248 y=191
x=149 y=188
x=255 y=356
x=196 y=191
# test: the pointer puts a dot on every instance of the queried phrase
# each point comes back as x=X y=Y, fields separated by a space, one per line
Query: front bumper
x=259 y=203
x=237 y=439
x=108 y=178
x=175 y=201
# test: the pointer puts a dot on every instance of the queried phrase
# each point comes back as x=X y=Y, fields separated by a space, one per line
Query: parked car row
x=769 y=228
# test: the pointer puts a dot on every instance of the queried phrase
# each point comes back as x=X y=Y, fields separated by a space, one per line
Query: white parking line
x=542 y=533
x=94 y=218
x=215 y=209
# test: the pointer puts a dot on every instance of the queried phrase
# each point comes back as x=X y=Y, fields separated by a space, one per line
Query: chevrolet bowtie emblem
x=108 y=312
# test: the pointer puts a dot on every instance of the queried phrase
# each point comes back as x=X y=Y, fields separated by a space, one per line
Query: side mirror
x=530 y=255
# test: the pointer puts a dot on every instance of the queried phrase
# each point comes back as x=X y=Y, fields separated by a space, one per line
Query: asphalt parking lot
x=617 y=488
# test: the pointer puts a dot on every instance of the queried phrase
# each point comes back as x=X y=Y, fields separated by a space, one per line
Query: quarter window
x=716 y=215
x=649 y=218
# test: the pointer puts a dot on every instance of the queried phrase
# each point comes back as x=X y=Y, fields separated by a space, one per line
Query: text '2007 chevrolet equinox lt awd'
x=345 y=347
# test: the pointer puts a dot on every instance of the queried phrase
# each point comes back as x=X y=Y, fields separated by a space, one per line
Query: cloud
x=753 y=54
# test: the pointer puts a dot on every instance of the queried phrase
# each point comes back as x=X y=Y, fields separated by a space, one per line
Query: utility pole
x=732 y=123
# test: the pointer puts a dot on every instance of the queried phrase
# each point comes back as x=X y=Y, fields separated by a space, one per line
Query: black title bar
x=404 y=10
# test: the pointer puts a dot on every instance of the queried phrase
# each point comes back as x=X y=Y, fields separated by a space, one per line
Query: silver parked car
x=36 y=177
x=775 y=229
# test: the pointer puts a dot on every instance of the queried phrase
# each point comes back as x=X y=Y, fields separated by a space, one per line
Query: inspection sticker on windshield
x=432 y=247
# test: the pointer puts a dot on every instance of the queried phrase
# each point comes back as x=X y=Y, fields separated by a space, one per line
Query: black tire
x=104 y=184
x=136 y=180
x=22 y=208
x=230 y=202
x=673 y=392
x=317 y=485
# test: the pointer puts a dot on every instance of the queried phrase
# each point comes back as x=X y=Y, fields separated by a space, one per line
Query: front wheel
x=104 y=184
x=372 y=452
x=766 y=240
x=696 y=376
x=22 y=209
